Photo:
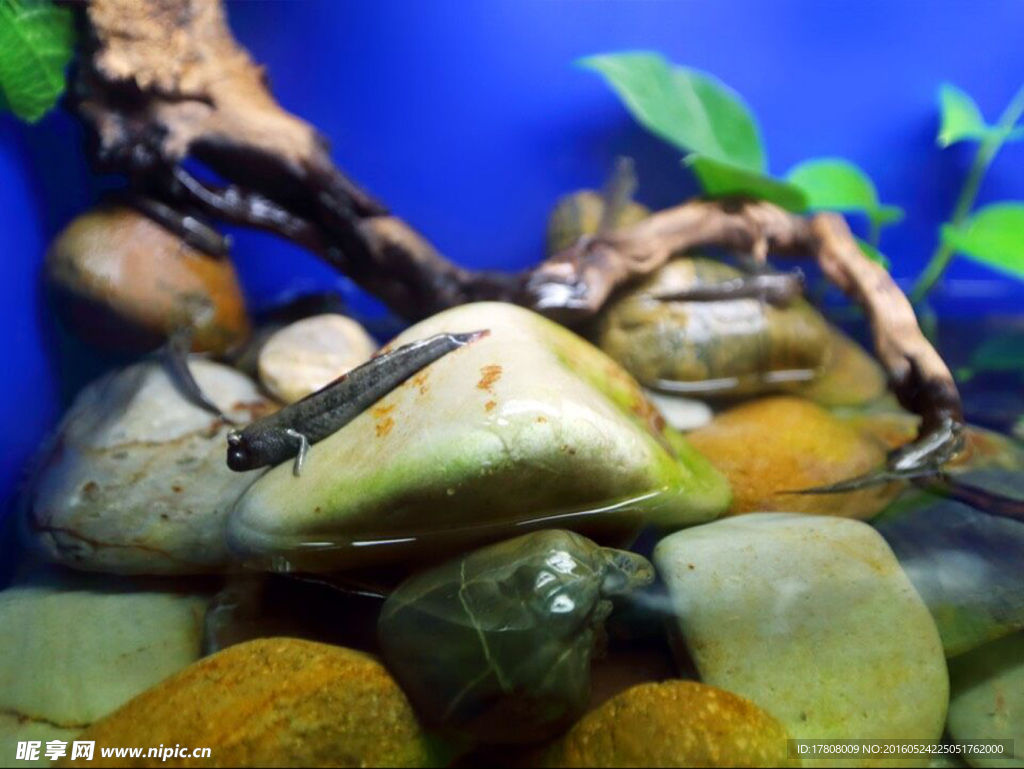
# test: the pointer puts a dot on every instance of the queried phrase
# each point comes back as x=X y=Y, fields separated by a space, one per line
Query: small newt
x=290 y=432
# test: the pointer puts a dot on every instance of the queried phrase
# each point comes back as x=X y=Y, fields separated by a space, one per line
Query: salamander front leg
x=300 y=458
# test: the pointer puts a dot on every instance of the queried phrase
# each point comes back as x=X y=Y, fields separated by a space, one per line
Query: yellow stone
x=273 y=702
x=676 y=723
x=778 y=444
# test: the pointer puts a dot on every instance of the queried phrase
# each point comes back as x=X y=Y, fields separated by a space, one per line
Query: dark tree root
x=163 y=80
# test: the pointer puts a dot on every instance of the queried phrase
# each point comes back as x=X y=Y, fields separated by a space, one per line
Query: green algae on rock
x=967 y=564
x=530 y=426
x=496 y=645
x=812 y=619
x=987 y=699
x=736 y=346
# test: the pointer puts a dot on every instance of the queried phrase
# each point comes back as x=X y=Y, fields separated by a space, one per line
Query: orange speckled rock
x=122 y=281
x=273 y=702
x=778 y=444
x=677 y=723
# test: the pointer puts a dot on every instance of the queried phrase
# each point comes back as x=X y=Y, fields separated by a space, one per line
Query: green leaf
x=36 y=43
x=723 y=180
x=687 y=108
x=873 y=253
x=994 y=236
x=961 y=118
x=835 y=184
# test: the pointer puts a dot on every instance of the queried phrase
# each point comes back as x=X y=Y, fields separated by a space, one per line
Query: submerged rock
x=676 y=723
x=783 y=443
x=135 y=480
x=528 y=426
x=311 y=353
x=75 y=647
x=496 y=645
x=731 y=347
x=122 y=281
x=987 y=699
x=968 y=565
x=812 y=619
x=280 y=702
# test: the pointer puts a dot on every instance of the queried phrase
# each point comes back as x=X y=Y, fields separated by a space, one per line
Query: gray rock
x=135 y=480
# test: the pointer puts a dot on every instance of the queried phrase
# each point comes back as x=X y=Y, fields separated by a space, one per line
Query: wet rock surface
x=738 y=346
x=849 y=377
x=309 y=354
x=135 y=480
x=987 y=698
x=75 y=647
x=497 y=645
x=124 y=282
x=527 y=423
x=280 y=702
x=676 y=723
x=968 y=565
x=812 y=619
x=782 y=443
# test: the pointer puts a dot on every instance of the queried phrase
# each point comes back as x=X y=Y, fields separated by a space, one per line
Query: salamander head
x=239 y=457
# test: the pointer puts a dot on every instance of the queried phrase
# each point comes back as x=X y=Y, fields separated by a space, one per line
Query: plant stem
x=968 y=194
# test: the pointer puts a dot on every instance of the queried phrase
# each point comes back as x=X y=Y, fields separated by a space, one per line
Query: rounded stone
x=781 y=444
x=987 y=699
x=75 y=647
x=813 y=619
x=135 y=479
x=580 y=213
x=124 y=282
x=311 y=353
x=676 y=723
x=850 y=377
x=276 y=702
x=726 y=347
x=527 y=427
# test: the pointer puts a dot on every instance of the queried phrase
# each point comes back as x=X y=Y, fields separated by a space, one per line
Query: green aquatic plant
x=721 y=140
x=994 y=234
x=36 y=43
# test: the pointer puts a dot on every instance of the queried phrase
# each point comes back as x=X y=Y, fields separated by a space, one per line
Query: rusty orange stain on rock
x=383 y=411
x=489 y=405
x=384 y=427
x=488 y=376
x=420 y=381
x=542 y=419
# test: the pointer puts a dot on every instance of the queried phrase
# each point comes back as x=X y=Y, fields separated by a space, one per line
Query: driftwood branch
x=164 y=80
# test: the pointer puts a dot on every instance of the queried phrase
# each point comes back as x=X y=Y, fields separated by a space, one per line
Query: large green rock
x=530 y=426
x=987 y=699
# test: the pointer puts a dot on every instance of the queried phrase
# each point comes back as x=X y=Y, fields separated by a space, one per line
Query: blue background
x=469 y=120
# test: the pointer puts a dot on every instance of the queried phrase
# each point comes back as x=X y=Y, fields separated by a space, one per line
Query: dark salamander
x=291 y=431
